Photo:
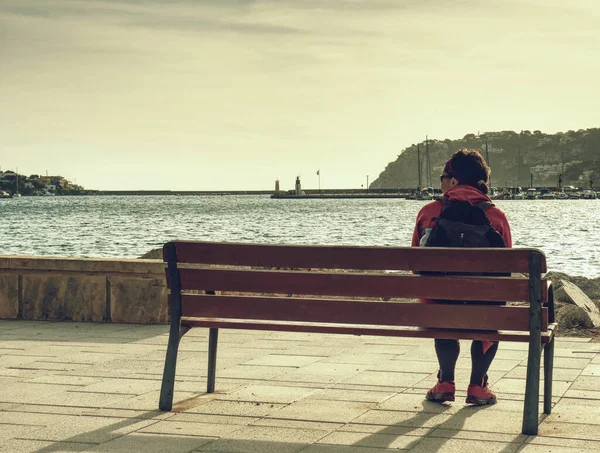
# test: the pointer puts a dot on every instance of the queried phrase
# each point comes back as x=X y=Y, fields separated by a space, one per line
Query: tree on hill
x=513 y=157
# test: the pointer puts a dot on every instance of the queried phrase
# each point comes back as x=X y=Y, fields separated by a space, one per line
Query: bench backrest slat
x=358 y=284
x=354 y=257
x=358 y=312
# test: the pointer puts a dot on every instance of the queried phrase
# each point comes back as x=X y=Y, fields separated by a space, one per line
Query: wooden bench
x=345 y=290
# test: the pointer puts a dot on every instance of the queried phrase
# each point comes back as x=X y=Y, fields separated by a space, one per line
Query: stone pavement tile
x=277 y=344
x=10 y=430
x=570 y=430
x=25 y=393
x=87 y=429
x=407 y=366
x=503 y=365
x=244 y=408
x=180 y=428
x=40 y=446
x=479 y=435
x=15 y=360
x=249 y=371
x=269 y=394
x=284 y=360
x=576 y=411
x=320 y=350
x=311 y=378
x=415 y=419
x=374 y=440
x=221 y=385
x=424 y=353
x=324 y=448
x=586 y=383
x=571 y=362
x=582 y=445
x=509 y=354
x=389 y=429
x=297 y=424
x=591 y=370
x=357 y=358
x=516 y=345
x=324 y=411
x=126 y=386
x=381 y=378
x=84 y=399
x=332 y=369
x=63 y=379
x=212 y=418
x=50 y=409
x=576 y=352
x=582 y=394
x=484 y=419
x=54 y=365
x=558 y=374
x=264 y=439
x=417 y=403
x=151 y=443
x=442 y=445
x=149 y=401
x=575 y=339
x=507 y=385
x=352 y=395
x=548 y=449
x=395 y=349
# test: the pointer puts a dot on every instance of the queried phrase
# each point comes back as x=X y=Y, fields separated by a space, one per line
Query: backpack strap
x=484 y=205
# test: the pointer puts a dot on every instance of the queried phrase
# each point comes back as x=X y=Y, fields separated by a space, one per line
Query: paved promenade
x=69 y=387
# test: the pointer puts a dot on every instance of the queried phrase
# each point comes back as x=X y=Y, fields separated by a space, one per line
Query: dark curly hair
x=469 y=168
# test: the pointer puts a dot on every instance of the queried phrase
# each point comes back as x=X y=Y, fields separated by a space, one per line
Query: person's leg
x=481 y=361
x=447 y=352
x=482 y=356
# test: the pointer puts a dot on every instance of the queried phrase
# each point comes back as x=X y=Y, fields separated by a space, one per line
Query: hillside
x=512 y=157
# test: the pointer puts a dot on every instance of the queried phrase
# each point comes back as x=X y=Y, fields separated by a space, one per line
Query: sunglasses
x=442 y=177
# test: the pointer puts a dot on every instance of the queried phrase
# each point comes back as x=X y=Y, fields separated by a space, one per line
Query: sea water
x=129 y=226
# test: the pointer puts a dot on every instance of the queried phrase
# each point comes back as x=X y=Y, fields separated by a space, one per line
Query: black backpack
x=462 y=224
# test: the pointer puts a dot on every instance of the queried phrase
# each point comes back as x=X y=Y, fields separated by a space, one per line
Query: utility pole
x=419 y=166
x=530 y=178
x=487 y=160
x=427 y=161
x=367 y=184
x=518 y=162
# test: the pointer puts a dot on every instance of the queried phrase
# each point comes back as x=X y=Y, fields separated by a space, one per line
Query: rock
x=590 y=286
x=155 y=254
x=578 y=297
x=573 y=317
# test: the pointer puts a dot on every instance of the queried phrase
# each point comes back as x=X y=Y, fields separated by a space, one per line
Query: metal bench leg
x=168 y=383
x=212 y=359
x=532 y=394
x=548 y=367
x=532 y=386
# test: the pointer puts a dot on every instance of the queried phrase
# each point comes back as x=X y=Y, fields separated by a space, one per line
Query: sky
x=232 y=94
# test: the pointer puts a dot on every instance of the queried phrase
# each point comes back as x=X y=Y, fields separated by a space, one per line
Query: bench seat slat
x=355 y=257
x=364 y=329
x=359 y=312
x=358 y=284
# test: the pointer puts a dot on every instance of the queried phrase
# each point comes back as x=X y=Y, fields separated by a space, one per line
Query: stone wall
x=79 y=289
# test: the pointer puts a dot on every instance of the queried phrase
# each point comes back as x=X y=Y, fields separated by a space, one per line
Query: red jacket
x=468 y=193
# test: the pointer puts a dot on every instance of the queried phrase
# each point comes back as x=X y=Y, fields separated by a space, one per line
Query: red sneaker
x=441 y=391
x=480 y=394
